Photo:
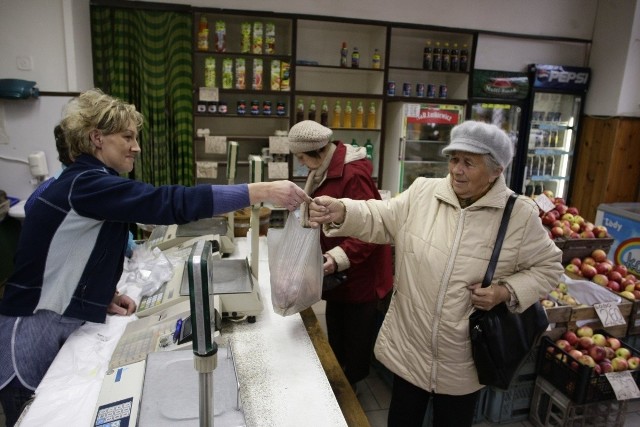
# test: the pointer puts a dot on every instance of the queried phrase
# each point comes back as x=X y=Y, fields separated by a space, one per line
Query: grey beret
x=481 y=138
x=308 y=135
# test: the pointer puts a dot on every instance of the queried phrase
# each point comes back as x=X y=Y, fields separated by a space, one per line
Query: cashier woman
x=72 y=245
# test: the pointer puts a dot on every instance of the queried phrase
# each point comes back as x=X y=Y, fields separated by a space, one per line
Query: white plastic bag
x=295 y=264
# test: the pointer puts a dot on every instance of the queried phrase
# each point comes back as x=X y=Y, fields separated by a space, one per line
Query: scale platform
x=170 y=391
x=228 y=276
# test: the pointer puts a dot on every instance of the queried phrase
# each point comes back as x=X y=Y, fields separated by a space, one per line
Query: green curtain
x=144 y=57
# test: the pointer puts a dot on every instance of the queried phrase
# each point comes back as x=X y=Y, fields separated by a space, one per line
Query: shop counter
x=287 y=372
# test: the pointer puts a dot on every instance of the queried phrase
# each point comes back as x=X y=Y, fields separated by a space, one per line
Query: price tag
x=544 y=203
x=215 y=144
x=609 y=314
x=208 y=94
x=623 y=385
x=279 y=145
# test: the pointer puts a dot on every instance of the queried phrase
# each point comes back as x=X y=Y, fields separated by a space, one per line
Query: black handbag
x=501 y=340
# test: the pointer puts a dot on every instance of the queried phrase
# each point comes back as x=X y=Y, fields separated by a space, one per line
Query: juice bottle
x=245 y=37
x=270 y=38
x=220 y=42
x=344 y=53
x=371 y=116
x=359 y=122
x=258 y=38
x=337 y=115
x=203 y=34
x=227 y=73
x=324 y=113
x=346 y=119
x=312 y=110
x=376 y=60
x=210 y=71
x=355 y=58
x=437 y=57
x=300 y=111
x=427 y=56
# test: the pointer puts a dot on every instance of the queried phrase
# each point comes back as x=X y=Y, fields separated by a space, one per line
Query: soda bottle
x=455 y=58
x=300 y=111
x=464 y=58
x=359 y=123
x=346 y=119
x=371 y=116
x=529 y=166
x=427 y=56
x=376 y=60
x=538 y=188
x=369 y=147
x=324 y=113
x=354 y=143
x=437 y=57
x=312 y=110
x=337 y=115
x=549 y=165
x=355 y=58
x=344 y=53
x=535 y=166
x=446 y=57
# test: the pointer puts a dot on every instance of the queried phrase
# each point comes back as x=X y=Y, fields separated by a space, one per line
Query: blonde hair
x=92 y=110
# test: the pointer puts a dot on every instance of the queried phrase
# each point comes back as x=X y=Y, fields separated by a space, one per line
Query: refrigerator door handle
x=401 y=148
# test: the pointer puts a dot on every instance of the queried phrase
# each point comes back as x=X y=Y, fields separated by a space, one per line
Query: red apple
x=548 y=218
x=577 y=261
x=572 y=268
x=610 y=353
x=557 y=231
x=561 y=208
x=636 y=293
x=614 y=275
x=614 y=343
x=588 y=271
x=597 y=352
x=572 y=210
x=603 y=267
x=619 y=364
x=599 y=255
x=600 y=279
x=600 y=231
x=622 y=269
x=571 y=337
x=606 y=366
x=585 y=343
x=563 y=345
x=587 y=360
x=599 y=339
x=575 y=353
x=584 y=331
x=587 y=235
x=589 y=260
x=614 y=286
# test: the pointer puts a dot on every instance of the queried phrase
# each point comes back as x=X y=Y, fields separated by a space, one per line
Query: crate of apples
x=605 y=272
x=575 y=363
x=565 y=221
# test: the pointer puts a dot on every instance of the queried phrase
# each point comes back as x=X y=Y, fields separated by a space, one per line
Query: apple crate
x=581 y=248
x=550 y=407
x=634 y=317
x=562 y=318
x=578 y=382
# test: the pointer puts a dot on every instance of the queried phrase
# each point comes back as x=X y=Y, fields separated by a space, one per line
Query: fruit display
x=560 y=295
x=603 y=271
x=565 y=221
x=598 y=350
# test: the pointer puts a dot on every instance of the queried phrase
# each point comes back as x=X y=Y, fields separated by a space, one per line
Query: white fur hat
x=481 y=138
x=308 y=135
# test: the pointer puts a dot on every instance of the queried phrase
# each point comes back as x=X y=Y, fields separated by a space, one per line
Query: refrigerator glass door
x=505 y=116
x=552 y=138
x=427 y=130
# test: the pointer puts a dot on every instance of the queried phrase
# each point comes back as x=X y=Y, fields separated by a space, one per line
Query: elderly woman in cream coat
x=444 y=231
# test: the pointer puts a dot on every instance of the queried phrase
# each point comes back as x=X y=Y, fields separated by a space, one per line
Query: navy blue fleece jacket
x=72 y=245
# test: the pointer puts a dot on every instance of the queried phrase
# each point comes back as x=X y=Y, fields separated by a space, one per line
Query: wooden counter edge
x=349 y=403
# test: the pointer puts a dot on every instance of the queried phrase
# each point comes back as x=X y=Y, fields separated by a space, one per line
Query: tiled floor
x=374 y=394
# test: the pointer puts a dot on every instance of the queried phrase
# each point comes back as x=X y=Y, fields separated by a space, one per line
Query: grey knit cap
x=481 y=138
x=308 y=135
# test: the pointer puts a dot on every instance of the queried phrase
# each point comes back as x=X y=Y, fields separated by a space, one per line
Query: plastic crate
x=578 y=382
x=478 y=417
x=510 y=405
x=550 y=407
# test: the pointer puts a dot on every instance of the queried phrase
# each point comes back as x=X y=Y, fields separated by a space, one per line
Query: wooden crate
x=634 y=317
x=563 y=318
x=581 y=248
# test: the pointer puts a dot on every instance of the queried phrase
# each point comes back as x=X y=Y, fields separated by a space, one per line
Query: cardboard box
x=623 y=224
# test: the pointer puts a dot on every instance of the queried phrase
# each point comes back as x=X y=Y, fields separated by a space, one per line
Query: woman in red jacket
x=340 y=170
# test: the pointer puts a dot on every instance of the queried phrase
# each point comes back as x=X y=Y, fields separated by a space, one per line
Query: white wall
x=55 y=35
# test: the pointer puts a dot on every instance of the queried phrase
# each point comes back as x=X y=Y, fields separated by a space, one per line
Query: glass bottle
x=337 y=115
x=376 y=60
x=346 y=119
x=371 y=116
x=300 y=111
x=355 y=58
x=427 y=56
x=359 y=121
x=369 y=147
x=312 y=110
x=437 y=57
x=344 y=53
x=455 y=58
x=354 y=143
x=324 y=113
x=464 y=58
x=446 y=57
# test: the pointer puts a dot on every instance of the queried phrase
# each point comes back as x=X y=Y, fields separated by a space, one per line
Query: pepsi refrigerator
x=556 y=105
x=501 y=98
x=416 y=134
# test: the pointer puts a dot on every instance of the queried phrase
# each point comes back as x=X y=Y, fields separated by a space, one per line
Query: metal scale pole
x=232 y=171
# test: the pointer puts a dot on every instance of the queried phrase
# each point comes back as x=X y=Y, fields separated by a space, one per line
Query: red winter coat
x=369 y=277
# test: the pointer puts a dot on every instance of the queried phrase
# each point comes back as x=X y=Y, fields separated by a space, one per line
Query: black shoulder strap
x=488 y=276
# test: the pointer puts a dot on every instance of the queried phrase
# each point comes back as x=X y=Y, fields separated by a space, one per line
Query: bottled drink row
x=242 y=108
x=367 y=145
x=376 y=58
x=341 y=117
x=422 y=91
x=256 y=38
x=234 y=74
x=440 y=56
x=540 y=165
x=544 y=138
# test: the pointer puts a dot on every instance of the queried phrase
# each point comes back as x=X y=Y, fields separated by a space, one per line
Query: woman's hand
x=280 y=193
x=121 y=305
x=489 y=297
x=330 y=266
x=325 y=209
